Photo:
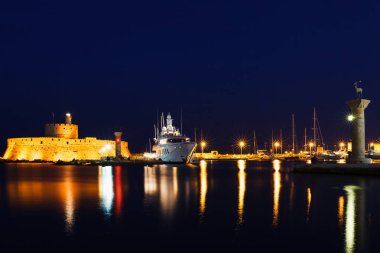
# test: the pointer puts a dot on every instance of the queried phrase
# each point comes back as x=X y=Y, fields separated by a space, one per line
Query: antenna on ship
x=156 y=126
x=181 y=120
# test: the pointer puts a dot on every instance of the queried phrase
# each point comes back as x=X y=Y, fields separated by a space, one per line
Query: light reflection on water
x=308 y=203
x=242 y=186
x=351 y=218
x=203 y=188
x=340 y=210
x=161 y=182
x=208 y=196
x=106 y=190
x=69 y=206
x=276 y=191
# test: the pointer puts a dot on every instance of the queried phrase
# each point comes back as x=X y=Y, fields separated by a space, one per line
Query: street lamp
x=241 y=144
x=311 y=145
x=350 y=117
x=276 y=144
x=341 y=145
x=203 y=145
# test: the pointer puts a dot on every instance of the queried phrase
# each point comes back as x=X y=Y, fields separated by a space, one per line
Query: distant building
x=61 y=143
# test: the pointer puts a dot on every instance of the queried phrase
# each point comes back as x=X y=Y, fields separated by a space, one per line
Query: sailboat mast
x=315 y=129
x=280 y=141
x=181 y=120
x=254 y=143
x=293 y=135
x=305 y=139
x=272 y=142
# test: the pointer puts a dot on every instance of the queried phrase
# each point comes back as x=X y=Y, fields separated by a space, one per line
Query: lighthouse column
x=357 y=107
x=118 y=144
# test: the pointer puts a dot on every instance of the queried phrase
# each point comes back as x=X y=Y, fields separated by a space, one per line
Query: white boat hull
x=175 y=152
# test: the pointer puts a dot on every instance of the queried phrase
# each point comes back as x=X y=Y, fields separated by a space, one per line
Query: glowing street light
x=311 y=145
x=241 y=144
x=276 y=144
x=341 y=145
x=203 y=145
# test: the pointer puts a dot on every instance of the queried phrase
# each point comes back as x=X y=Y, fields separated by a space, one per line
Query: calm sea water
x=233 y=205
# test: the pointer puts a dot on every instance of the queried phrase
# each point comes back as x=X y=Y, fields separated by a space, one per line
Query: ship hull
x=175 y=152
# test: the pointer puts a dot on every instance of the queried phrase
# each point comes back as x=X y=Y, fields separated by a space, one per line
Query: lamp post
x=311 y=145
x=276 y=144
x=341 y=145
x=203 y=145
x=241 y=144
x=371 y=146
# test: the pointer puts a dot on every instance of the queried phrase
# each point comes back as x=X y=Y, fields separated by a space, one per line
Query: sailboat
x=320 y=153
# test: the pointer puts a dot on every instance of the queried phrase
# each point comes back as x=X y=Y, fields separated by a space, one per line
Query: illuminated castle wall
x=61 y=143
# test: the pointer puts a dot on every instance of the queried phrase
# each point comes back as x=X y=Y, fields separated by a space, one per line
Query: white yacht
x=170 y=145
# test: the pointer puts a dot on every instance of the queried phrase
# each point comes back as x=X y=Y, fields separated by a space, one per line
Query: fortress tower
x=61 y=143
x=67 y=130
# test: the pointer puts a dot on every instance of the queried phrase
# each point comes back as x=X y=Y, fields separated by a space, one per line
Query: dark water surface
x=233 y=205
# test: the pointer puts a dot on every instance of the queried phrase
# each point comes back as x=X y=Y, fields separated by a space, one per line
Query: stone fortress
x=61 y=143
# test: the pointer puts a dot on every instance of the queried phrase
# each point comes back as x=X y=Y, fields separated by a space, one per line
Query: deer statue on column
x=359 y=91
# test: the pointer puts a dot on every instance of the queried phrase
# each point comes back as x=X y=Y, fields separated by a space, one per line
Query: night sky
x=233 y=66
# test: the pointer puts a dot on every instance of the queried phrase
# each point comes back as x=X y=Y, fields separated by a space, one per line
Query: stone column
x=118 y=144
x=357 y=107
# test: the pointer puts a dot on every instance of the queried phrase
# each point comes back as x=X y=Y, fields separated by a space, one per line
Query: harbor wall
x=61 y=149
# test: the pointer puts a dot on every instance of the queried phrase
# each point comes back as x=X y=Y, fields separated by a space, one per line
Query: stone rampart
x=64 y=149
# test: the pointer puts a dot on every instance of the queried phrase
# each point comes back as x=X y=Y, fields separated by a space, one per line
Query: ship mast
x=293 y=135
x=315 y=129
x=305 y=139
x=254 y=142
x=181 y=120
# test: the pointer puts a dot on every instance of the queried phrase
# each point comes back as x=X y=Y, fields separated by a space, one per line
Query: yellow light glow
x=150 y=183
x=203 y=187
x=372 y=144
x=276 y=144
x=311 y=144
x=69 y=207
x=203 y=144
x=242 y=144
x=341 y=145
x=276 y=192
x=241 y=164
x=276 y=165
x=242 y=186
x=350 y=117
x=168 y=191
x=308 y=203
x=341 y=209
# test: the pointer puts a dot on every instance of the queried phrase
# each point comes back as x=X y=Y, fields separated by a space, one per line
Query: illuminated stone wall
x=69 y=131
x=55 y=149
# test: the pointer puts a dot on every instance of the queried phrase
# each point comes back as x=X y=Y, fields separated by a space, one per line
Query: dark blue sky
x=233 y=66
